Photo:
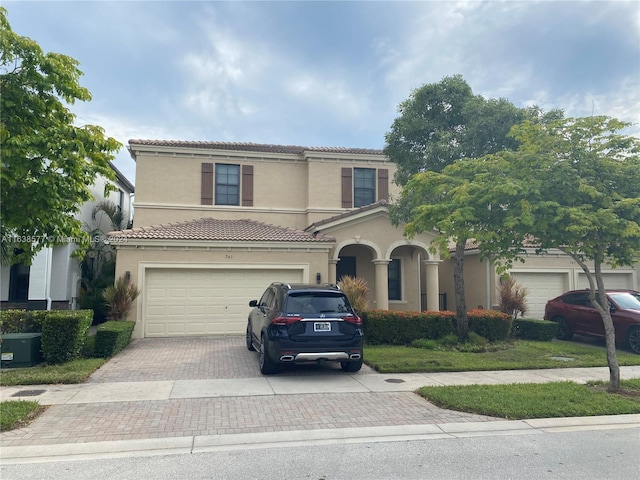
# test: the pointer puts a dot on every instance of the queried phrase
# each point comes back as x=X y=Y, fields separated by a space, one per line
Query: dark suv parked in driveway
x=304 y=323
x=575 y=314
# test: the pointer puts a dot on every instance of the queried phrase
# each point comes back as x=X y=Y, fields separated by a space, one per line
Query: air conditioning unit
x=20 y=350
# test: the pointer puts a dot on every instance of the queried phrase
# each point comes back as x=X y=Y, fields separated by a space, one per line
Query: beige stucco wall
x=289 y=190
x=373 y=237
x=134 y=259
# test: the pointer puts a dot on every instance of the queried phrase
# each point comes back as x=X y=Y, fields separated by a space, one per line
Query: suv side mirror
x=253 y=303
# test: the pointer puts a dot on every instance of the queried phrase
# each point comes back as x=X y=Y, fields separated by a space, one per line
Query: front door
x=346 y=267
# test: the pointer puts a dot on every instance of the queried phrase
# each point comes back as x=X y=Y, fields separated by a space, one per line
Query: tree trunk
x=601 y=304
x=462 y=320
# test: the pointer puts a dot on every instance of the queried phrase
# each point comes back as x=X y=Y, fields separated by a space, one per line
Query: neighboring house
x=217 y=222
x=53 y=278
x=545 y=276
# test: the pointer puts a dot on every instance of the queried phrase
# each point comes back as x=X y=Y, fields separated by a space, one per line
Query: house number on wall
x=228 y=257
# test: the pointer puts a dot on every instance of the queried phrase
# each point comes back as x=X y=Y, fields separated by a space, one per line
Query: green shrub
x=21 y=321
x=357 y=291
x=64 y=333
x=533 y=329
x=119 y=298
x=112 y=336
x=89 y=347
x=474 y=344
x=426 y=343
x=386 y=327
x=490 y=324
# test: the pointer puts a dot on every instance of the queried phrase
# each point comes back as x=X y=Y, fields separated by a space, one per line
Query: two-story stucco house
x=52 y=280
x=217 y=222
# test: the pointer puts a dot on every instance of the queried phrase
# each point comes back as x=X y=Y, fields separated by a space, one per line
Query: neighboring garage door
x=182 y=302
x=541 y=287
x=611 y=280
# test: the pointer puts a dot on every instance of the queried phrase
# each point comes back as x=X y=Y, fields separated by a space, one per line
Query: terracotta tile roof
x=213 y=229
x=253 y=147
x=350 y=213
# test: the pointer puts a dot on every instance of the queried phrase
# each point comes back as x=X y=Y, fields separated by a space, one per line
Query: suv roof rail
x=289 y=286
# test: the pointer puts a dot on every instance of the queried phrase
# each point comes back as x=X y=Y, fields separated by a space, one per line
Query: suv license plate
x=322 y=327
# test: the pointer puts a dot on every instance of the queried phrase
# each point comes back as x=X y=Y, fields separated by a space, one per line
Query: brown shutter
x=383 y=184
x=347 y=188
x=206 y=187
x=247 y=185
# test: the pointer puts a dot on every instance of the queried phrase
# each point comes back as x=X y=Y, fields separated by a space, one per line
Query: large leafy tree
x=575 y=186
x=440 y=124
x=48 y=162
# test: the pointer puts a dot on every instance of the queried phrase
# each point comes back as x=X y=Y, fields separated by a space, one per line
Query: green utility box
x=20 y=350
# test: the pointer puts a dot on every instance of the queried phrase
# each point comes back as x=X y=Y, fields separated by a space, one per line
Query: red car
x=575 y=315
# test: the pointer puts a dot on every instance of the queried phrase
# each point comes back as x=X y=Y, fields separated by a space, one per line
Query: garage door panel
x=541 y=287
x=611 y=280
x=204 y=301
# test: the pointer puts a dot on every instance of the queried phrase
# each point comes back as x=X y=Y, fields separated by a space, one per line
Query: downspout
x=489 y=306
x=419 y=282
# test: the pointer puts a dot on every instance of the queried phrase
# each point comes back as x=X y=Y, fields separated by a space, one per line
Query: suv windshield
x=317 y=302
x=626 y=300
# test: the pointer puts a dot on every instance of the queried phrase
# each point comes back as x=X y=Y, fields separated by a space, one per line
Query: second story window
x=364 y=186
x=227 y=184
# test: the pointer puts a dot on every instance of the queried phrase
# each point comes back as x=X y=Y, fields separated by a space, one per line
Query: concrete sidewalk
x=292 y=385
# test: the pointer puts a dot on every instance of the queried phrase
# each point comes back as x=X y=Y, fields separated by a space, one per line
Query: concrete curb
x=202 y=444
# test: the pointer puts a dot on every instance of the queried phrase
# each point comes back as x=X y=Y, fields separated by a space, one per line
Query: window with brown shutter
x=347 y=185
x=383 y=184
x=206 y=187
x=247 y=185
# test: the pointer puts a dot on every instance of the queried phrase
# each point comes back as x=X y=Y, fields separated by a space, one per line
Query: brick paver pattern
x=217 y=357
x=218 y=416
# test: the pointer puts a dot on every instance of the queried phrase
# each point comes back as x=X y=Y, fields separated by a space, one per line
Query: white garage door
x=541 y=287
x=183 y=302
x=611 y=280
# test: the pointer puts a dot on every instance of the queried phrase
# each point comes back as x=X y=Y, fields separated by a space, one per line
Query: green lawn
x=516 y=355
x=17 y=413
x=76 y=371
x=547 y=400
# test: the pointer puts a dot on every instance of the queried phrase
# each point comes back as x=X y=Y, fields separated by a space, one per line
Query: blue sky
x=329 y=73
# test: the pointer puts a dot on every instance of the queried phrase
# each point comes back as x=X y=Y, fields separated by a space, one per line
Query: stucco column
x=40 y=276
x=382 y=284
x=332 y=270
x=433 y=285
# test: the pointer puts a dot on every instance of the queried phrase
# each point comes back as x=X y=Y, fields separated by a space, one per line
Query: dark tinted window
x=227 y=184
x=364 y=186
x=267 y=298
x=395 y=287
x=317 y=302
x=580 y=298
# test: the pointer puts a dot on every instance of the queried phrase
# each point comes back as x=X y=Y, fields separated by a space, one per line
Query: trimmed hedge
x=388 y=327
x=112 y=337
x=64 y=333
x=490 y=324
x=533 y=329
x=401 y=328
x=21 y=321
